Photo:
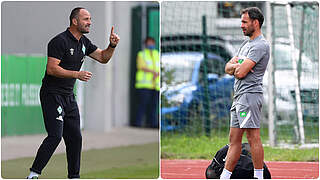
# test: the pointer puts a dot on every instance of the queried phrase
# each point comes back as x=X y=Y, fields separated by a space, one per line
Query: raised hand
x=114 y=38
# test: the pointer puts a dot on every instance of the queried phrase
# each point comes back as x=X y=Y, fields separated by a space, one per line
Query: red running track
x=195 y=169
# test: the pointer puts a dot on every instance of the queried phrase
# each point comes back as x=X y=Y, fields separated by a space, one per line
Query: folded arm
x=243 y=69
x=231 y=65
x=239 y=70
x=141 y=65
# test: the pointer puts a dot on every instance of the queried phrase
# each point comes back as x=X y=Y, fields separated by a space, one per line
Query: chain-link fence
x=295 y=64
x=197 y=40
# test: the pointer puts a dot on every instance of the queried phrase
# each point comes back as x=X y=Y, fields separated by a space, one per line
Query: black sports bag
x=243 y=169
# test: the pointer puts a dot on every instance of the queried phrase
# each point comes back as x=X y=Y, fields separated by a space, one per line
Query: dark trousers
x=148 y=101
x=62 y=120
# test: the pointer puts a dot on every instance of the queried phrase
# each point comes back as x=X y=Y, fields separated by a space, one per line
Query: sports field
x=134 y=162
x=188 y=156
x=180 y=146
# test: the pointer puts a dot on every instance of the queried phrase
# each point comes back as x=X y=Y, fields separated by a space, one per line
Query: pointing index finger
x=112 y=30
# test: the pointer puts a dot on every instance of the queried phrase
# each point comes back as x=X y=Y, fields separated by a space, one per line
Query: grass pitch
x=181 y=146
x=130 y=162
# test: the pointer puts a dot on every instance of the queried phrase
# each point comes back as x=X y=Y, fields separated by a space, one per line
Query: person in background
x=148 y=84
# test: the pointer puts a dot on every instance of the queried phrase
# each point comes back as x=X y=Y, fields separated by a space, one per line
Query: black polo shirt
x=71 y=52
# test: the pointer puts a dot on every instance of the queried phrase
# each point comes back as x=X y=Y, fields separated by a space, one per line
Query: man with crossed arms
x=248 y=67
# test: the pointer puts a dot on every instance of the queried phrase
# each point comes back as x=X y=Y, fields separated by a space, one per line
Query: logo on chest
x=83 y=49
x=71 y=51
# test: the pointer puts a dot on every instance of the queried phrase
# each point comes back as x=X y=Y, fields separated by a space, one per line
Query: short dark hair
x=149 y=39
x=74 y=13
x=254 y=13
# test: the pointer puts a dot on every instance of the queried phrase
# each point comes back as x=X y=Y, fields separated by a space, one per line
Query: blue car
x=183 y=89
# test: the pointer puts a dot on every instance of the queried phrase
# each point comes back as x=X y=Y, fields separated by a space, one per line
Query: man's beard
x=249 y=32
x=82 y=30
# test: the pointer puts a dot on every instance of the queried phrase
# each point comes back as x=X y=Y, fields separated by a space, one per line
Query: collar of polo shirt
x=71 y=35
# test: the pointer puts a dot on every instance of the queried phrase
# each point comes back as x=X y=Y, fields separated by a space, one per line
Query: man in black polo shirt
x=66 y=53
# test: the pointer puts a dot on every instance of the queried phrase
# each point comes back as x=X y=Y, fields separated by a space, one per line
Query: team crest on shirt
x=59 y=109
x=83 y=49
x=243 y=114
x=71 y=51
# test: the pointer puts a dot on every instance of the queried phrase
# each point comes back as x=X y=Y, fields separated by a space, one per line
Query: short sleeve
x=90 y=48
x=56 y=48
x=257 y=52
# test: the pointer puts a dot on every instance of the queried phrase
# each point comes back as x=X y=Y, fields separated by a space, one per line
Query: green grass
x=139 y=161
x=180 y=146
x=286 y=133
